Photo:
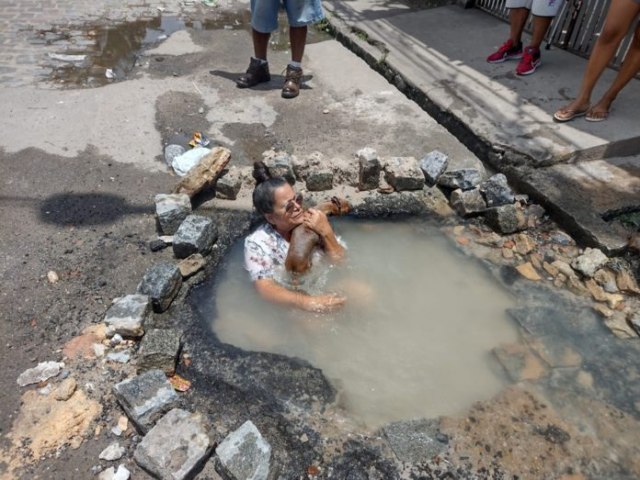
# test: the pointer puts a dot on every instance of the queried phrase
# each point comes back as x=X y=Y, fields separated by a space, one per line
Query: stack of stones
x=149 y=399
x=176 y=442
x=470 y=193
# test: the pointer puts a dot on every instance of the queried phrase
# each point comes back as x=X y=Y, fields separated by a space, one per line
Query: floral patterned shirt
x=265 y=252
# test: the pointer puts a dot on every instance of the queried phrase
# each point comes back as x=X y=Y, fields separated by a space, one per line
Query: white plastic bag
x=185 y=162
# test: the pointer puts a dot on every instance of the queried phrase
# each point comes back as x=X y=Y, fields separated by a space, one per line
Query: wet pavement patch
x=96 y=55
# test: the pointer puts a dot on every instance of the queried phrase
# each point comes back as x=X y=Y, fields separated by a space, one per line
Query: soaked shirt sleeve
x=265 y=251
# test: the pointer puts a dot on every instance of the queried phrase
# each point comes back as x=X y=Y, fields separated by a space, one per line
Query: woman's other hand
x=318 y=222
x=324 y=303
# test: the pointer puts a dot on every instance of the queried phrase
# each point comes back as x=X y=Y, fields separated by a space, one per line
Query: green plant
x=323 y=26
x=360 y=34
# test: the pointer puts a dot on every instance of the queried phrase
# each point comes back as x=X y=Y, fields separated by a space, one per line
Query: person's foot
x=599 y=112
x=529 y=62
x=508 y=51
x=292 y=82
x=577 y=108
x=258 y=72
x=596 y=115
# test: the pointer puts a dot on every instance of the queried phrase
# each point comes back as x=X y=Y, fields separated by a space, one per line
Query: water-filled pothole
x=97 y=55
x=415 y=338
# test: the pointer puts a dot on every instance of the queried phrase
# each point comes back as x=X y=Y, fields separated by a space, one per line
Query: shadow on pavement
x=84 y=209
x=275 y=83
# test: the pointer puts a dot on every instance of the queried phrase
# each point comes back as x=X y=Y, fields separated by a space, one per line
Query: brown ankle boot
x=292 y=82
x=258 y=72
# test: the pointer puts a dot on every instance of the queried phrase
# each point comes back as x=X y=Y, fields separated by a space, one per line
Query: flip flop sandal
x=596 y=117
x=569 y=114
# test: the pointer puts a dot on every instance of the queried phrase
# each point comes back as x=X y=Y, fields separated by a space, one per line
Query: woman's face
x=287 y=210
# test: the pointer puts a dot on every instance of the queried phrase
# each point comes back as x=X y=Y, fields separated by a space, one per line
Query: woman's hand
x=318 y=222
x=276 y=293
x=324 y=303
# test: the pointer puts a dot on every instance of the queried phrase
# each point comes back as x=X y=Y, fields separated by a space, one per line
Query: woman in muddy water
x=265 y=250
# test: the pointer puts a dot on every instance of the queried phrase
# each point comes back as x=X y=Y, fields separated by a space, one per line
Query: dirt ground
x=96 y=242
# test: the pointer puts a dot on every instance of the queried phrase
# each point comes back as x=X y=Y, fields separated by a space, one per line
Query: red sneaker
x=530 y=61
x=508 y=51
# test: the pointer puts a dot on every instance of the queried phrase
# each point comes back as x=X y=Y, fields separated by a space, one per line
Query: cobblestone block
x=145 y=398
x=171 y=210
x=245 y=454
x=433 y=165
x=368 y=169
x=197 y=234
x=176 y=446
x=465 y=178
x=506 y=219
x=228 y=185
x=159 y=350
x=467 y=202
x=319 y=180
x=161 y=282
x=127 y=316
x=403 y=173
x=279 y=164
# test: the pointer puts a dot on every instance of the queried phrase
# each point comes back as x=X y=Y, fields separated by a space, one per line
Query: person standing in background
x=620 y=17
x=543 y=12
x=264 y=20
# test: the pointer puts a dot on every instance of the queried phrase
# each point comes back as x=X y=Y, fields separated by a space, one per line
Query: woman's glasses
x=291 y=204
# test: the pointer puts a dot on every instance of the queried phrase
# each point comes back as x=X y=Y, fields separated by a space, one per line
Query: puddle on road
x=94 y=56
x=115 y=48
x=414 y=340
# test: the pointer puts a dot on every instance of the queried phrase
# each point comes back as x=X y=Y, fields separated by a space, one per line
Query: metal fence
x=575 y=28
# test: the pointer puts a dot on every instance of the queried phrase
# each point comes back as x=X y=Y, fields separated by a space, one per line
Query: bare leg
x=619 y=18
x=260 y=44
x=298 y=40
x=540 y=27
x=517 y=19
x=630 y=68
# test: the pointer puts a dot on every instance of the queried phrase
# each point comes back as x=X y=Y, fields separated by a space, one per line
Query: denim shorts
x=540 y=8
x=264 y=13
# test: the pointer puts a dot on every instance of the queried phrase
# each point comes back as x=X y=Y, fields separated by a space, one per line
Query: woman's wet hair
x=266 y=186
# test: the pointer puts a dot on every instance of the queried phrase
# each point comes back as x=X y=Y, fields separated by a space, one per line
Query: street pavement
x=581 y=171
x=27 y=31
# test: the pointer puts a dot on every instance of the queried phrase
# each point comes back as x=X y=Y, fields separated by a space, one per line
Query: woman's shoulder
x=265 y=233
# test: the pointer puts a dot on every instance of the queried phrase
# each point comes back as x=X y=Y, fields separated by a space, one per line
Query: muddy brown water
x=414 y=339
